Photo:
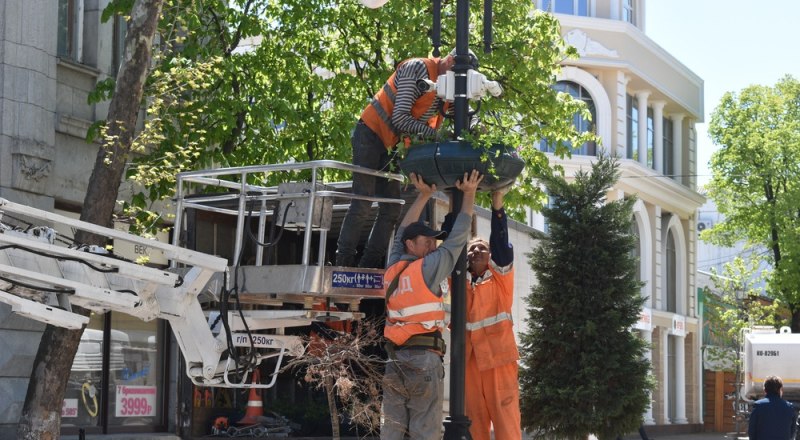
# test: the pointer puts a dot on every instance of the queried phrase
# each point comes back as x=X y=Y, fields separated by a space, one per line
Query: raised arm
x=425 y=192
x=469 y=185
x=501 y=249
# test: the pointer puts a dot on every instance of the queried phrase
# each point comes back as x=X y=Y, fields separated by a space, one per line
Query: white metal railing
x=244 y=193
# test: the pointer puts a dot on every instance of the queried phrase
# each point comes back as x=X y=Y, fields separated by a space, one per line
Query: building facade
x=645 y=105
x=52 y=54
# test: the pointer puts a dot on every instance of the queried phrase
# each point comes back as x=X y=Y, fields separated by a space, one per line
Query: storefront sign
x=645 y=321
x=135 y=401
x=678 y=325
x=69 y=408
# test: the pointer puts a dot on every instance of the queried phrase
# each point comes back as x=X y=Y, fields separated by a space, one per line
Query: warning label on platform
x=356 y=280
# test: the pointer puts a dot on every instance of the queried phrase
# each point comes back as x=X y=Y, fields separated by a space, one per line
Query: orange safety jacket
x=490 y=329
x=412 y=308
x=378 y=115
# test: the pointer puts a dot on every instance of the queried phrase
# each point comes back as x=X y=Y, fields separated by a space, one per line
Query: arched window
x=582 y=124
x=636 y=251
x=671 y=274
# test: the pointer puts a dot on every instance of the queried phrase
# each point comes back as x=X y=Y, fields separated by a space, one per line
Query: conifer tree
x=583 y=367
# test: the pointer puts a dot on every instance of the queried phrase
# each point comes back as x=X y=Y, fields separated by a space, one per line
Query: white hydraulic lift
x=41 y=277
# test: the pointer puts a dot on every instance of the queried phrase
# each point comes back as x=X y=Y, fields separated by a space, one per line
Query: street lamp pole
x=456 y=425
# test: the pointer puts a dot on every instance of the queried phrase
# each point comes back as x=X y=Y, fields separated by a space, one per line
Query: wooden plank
x=719 y=420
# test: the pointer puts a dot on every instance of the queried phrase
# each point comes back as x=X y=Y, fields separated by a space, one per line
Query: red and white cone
x=255 y=405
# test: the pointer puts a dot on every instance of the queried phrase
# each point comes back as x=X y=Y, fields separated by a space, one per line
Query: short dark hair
x=773 y=385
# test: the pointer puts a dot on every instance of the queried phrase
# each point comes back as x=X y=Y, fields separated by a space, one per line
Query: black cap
x=416 y=229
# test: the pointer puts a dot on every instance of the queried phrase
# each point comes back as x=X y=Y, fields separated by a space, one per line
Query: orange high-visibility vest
x=490 y=329
x=378 y=115
x=412 y=309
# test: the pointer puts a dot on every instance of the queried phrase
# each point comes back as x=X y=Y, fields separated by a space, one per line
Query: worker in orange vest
x=492 y=385
x=399 y=108
x=417 y=283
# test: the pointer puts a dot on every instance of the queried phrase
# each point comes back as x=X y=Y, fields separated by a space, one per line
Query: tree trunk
x=41 y=413
x=329 y=392
x=101 y=195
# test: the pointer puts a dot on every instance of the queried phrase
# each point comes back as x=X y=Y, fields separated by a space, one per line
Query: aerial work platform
x=285 y=283
x=299 y=199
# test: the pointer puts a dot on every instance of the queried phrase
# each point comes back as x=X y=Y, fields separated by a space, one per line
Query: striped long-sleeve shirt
x=407 y=93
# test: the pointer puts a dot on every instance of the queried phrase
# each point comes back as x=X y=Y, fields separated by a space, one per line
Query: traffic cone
x=255 y=406
x=198 y=401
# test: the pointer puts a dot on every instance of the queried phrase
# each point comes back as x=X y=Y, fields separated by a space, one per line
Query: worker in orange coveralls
x=492 y=385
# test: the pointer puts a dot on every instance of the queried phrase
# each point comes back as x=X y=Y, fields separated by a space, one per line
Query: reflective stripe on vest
x=389 y=92
x=430 y=325
x=492 y=320
x=416 y=310
x=377 y=115
x=383 y=115
x=412 y=308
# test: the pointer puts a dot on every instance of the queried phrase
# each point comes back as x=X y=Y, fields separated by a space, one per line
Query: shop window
x=117 y=381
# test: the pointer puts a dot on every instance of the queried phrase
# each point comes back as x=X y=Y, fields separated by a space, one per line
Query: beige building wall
x=619 y=66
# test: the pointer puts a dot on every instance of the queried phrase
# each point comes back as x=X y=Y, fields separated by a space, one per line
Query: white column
x=641 y=98
x=647 y=335
x=680 y=381
x=664 y=342
x=677 y=146
x=658 y=136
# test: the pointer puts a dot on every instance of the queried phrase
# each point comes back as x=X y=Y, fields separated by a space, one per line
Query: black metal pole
x=456 y=426
x=436 y=31
x=487 y=26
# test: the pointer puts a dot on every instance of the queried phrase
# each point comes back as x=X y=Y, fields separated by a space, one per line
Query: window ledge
x=78 y=67
x=72 y=126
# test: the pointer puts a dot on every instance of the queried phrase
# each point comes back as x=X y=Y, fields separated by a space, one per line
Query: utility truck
x=766 y=352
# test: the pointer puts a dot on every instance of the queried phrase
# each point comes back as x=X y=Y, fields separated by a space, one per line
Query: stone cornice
x=645 y=183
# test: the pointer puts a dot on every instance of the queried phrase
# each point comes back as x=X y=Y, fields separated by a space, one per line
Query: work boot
x=371 y=264
x=345 y=260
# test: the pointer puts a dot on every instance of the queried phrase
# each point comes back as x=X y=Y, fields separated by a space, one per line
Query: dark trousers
x=369 y=152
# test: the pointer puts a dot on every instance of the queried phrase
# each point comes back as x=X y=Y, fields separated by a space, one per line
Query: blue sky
x=731 y=44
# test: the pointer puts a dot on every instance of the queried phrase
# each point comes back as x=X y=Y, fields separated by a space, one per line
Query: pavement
x=693 y=436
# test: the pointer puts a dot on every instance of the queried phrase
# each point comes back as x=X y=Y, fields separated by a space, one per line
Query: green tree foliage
x=737 y=302
x=733 y=303
x=249 y=82
x=583 y=368
x=756 y=171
